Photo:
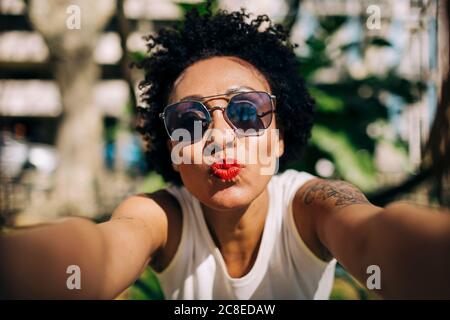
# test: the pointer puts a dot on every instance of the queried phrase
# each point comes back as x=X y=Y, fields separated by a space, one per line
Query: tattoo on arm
x=343 y=193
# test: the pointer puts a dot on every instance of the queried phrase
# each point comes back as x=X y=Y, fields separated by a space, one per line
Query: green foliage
x=151 y=183
x=201 y=6
x=354 y=165
x=326 y=103
x=137 y=56
x=146 y=287
x=345 y=108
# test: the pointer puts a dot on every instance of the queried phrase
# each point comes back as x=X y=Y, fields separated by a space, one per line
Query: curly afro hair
x=199 y=36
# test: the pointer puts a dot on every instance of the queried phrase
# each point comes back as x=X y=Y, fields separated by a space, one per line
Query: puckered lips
x=226 y=169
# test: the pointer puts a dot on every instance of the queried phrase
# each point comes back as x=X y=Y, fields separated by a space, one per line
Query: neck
x=237 y=233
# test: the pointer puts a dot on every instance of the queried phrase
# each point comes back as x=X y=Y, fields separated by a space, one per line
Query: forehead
x=215 y=76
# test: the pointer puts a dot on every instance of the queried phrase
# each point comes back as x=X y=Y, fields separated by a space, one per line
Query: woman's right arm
x=34 y=261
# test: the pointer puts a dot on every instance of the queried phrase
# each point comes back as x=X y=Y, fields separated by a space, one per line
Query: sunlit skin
x=235 y=211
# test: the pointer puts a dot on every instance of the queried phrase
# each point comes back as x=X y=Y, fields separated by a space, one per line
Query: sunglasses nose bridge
x=212 y=106
x=219 y=119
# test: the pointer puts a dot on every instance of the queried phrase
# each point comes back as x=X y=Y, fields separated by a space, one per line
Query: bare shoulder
x=314 y=200
x=146 y=205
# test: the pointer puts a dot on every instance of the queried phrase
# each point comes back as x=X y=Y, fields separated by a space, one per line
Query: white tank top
x=284 y=268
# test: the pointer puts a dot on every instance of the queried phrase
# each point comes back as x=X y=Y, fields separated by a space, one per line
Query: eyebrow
x=231 y=90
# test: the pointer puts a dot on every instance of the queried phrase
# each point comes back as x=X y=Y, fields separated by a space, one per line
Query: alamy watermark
x=73 y=281
x=373 y=282
x=73 y=21
x=374 y=19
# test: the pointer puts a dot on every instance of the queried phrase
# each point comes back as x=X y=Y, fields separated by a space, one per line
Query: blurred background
x=377 y=69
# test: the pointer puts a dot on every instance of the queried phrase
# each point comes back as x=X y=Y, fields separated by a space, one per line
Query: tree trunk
x=79 y=141
x=437 y=153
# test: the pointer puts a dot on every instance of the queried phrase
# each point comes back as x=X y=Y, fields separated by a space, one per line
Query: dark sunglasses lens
x=250 y=110
x=183 y=118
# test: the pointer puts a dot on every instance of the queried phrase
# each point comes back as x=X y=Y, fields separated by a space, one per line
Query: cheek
x=196 y=179
x=192 y=174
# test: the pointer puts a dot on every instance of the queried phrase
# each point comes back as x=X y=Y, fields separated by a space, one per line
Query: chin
x=232 y=197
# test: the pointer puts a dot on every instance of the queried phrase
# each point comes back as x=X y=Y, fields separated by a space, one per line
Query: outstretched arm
x=410 y=243
x=110 y=255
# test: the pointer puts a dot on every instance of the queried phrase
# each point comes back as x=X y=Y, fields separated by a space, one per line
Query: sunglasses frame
x=210 y=110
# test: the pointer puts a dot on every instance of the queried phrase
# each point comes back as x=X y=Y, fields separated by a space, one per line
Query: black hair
x=259 y=41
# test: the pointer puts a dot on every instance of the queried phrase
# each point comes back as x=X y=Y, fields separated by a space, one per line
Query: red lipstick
x=226 y=170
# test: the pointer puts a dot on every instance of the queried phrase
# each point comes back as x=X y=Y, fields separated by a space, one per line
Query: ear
x=280 y=149
x=169 y=147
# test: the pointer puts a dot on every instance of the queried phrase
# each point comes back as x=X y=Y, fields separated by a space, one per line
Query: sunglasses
x=248 y=113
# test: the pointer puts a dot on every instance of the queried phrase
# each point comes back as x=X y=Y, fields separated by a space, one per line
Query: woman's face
x=257 y=156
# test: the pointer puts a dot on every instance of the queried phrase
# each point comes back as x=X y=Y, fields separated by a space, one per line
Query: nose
x=221 y=135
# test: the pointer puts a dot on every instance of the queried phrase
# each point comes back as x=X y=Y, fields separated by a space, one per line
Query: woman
x=226 y=108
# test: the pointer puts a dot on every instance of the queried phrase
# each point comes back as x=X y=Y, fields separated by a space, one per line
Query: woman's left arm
x=409 y=243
